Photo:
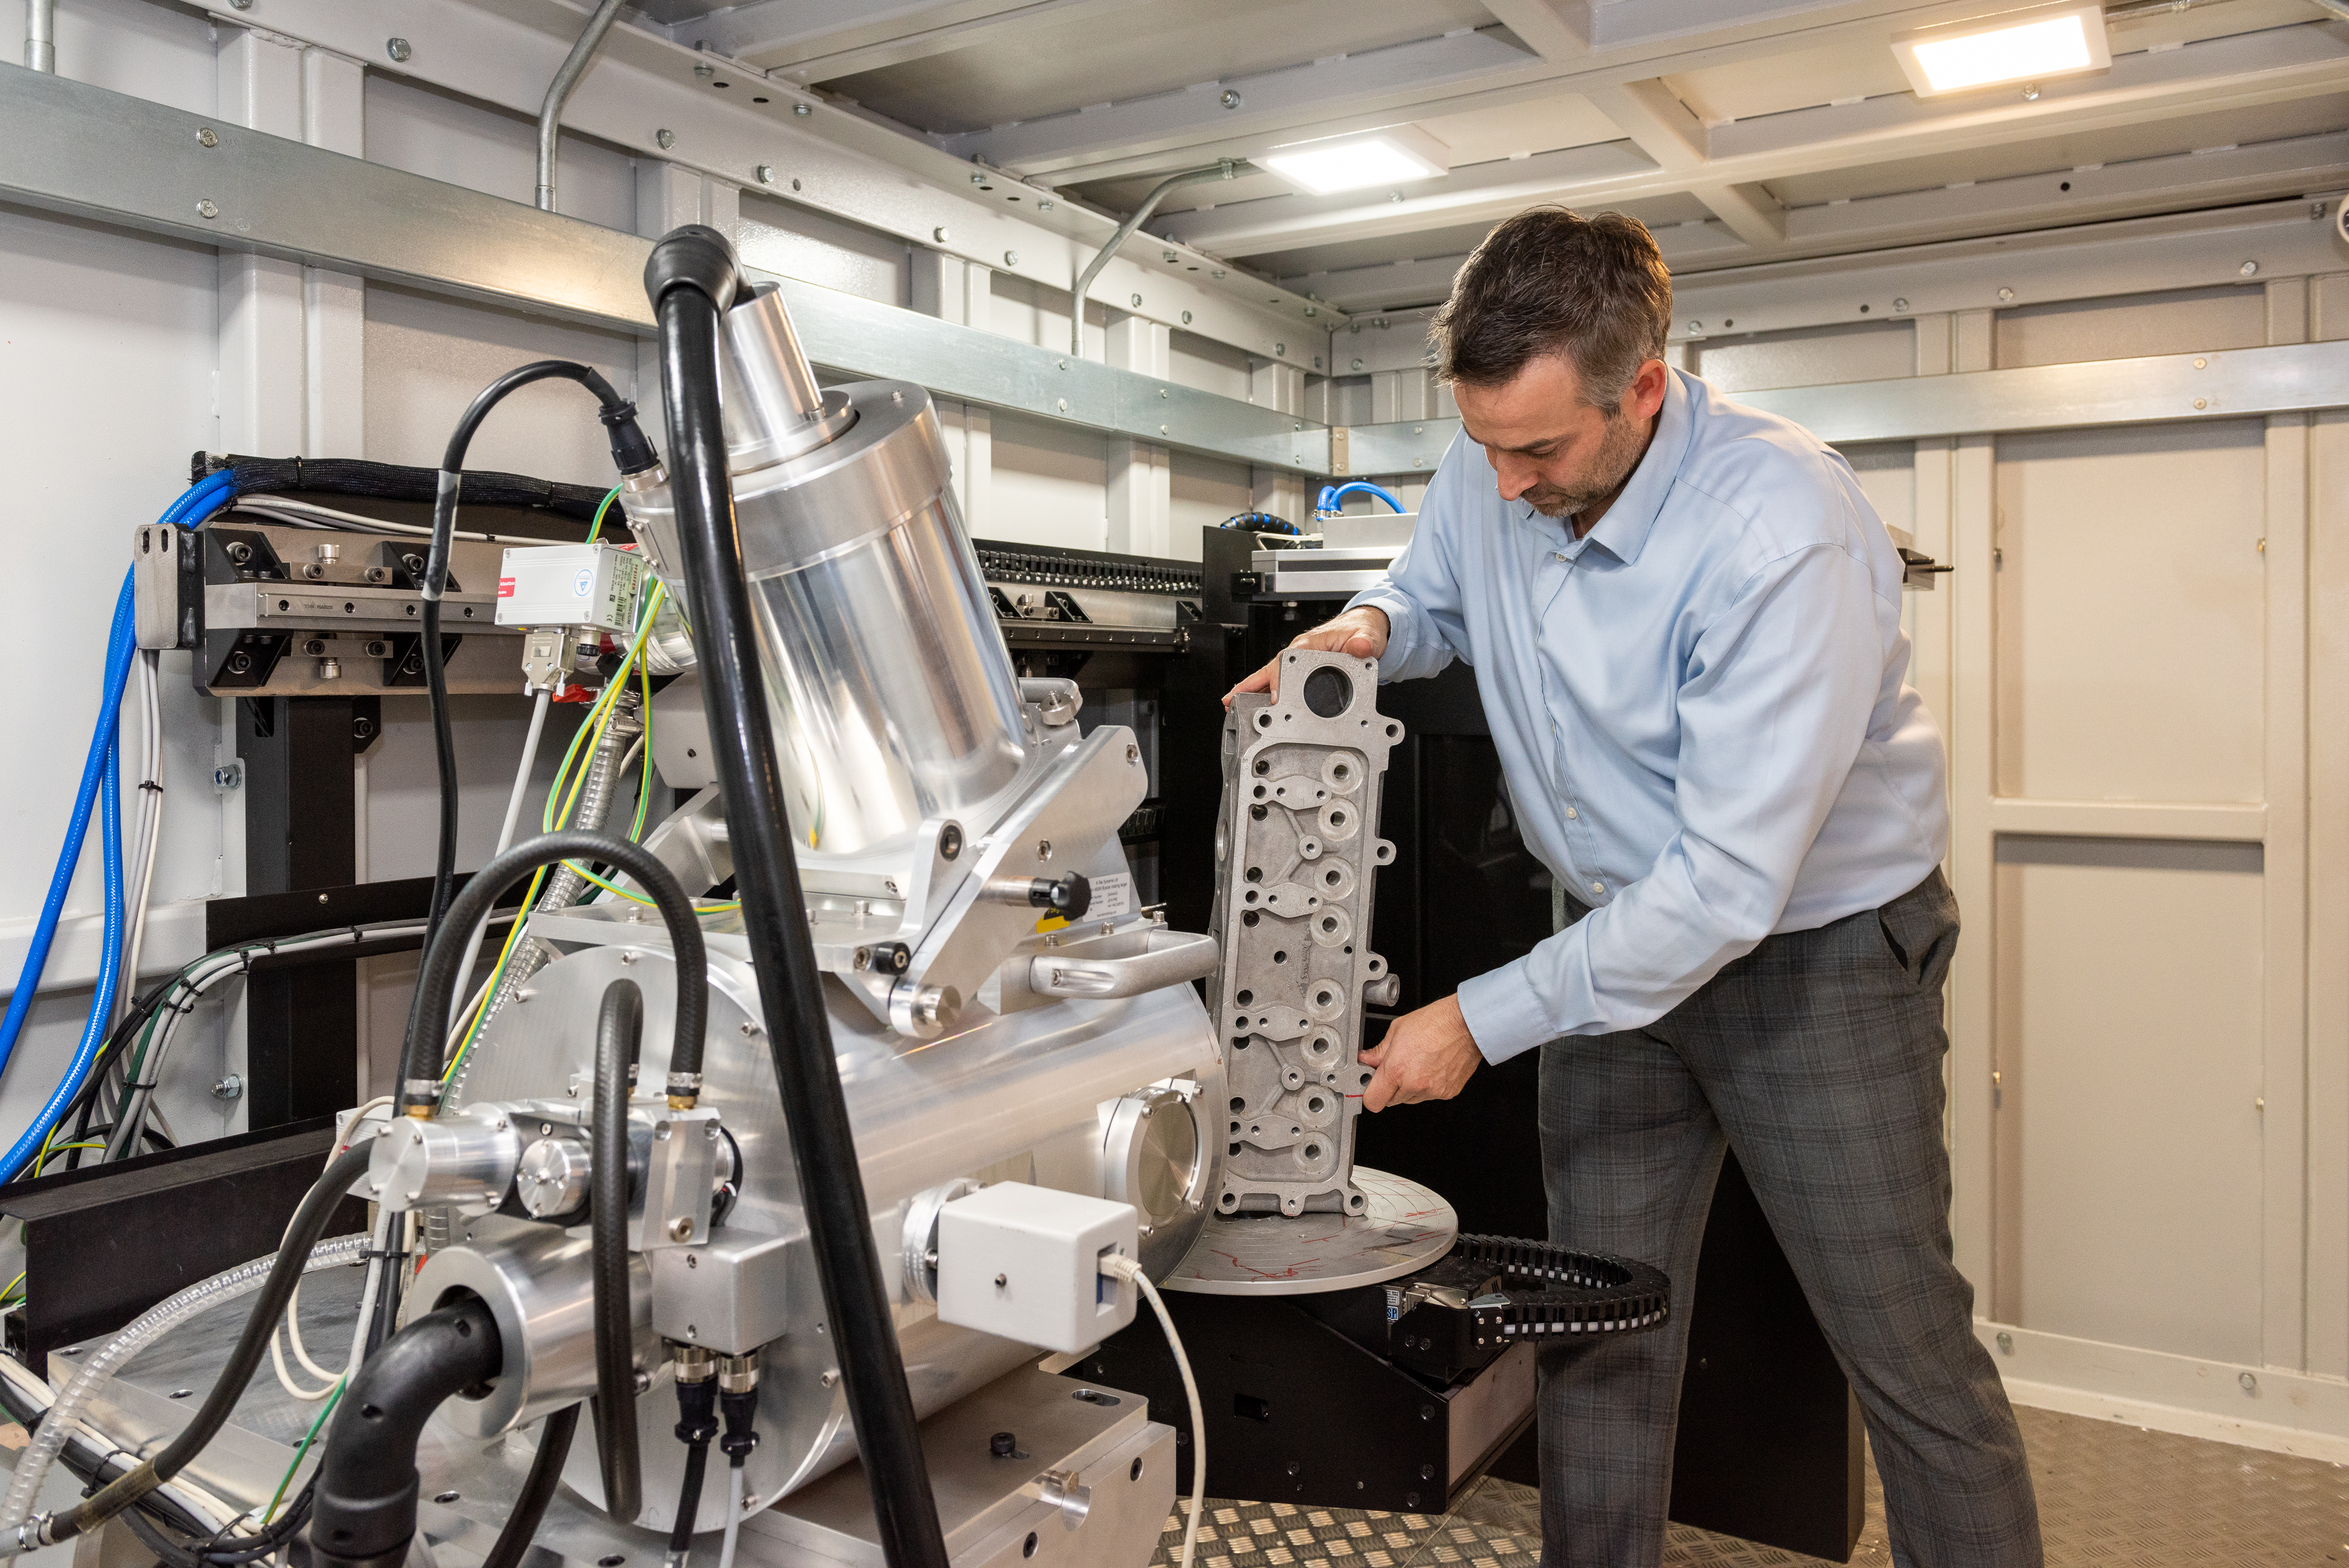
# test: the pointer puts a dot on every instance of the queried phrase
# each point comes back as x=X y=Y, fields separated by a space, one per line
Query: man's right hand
x=1360 y=631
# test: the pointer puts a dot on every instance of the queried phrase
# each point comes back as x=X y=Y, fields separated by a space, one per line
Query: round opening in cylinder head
x=1328 y=692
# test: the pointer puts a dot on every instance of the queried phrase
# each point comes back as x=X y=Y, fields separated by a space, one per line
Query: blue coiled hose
x=100 y=781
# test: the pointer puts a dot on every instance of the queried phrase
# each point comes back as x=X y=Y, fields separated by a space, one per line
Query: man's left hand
x=1426 y=1056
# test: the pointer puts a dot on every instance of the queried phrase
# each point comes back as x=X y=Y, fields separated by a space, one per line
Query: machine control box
x=570 y=585
x=1024 y=1263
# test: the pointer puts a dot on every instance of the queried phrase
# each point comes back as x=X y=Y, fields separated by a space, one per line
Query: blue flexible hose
x=99 y=772
x=1334 y=495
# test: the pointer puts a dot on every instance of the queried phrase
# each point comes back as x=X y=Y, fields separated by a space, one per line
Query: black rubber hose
x=537 y=1490
x=618 y=1028
x=365 y=1512
x=436 y=987
x=631 y=453
x=310 y=1221
x=690 y=279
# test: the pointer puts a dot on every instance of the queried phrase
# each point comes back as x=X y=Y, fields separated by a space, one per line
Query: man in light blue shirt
x=1685 y=622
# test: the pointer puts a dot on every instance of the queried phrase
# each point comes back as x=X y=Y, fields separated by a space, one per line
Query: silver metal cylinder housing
x=539 y=1285
x=893 y=696
x=1025 y=1096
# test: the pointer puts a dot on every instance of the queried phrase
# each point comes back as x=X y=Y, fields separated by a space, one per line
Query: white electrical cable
x=1117 y=1266
x=309 y=514
x=734 y=1479
x=150 y=829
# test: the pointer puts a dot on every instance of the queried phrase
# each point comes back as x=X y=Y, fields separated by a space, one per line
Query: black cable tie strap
x=1587 y=1292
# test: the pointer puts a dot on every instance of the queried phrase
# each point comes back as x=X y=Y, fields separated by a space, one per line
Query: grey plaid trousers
x=1817 y=1056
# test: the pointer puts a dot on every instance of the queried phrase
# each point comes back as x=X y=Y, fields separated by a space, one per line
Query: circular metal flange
x=1156 y=1157
x=1405 y=1227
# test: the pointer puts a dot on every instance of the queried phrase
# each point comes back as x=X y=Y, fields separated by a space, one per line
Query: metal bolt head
x=766 y=173
x=803 y=109
x=399 y=49
x=1395 y=196
x=1043 y=849
x=2006 y=294
x=1311 y=310
x=229 y=1088
x=705 y=72
x=207 y=209
x=1044 y=204
x=1168 y=256
x=2251 y=1384
x=1280 y=349
x=2249 y=269
x=681 y=1227
x=1231 y=99
x=2006 y=1343
x=1012 y=258
x=939 y=233
x=208 y=137
x=829 y=1379
x=1137 y=302
x=1217 y=273
x=1186 y=318
x=665 y=139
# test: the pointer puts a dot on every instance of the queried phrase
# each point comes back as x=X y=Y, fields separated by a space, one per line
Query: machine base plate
x=1406 y=1227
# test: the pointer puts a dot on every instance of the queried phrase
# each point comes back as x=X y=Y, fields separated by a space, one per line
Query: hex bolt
x=208 y=137
x=665 y=139
x=399 y=49
x=939 y=233
x=803 y=109
x=207 y=209
x=766 y=173
x=229 y=1088
x=2251 y=1384
x=1012 y=258
x=1232 y=98
x=2006 y=1343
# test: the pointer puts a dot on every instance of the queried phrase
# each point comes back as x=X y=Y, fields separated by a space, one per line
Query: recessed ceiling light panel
x=2024 y=45
x=1386 y=156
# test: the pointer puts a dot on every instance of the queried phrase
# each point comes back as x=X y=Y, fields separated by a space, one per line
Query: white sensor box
x=1024 y=1263
x=570 y=585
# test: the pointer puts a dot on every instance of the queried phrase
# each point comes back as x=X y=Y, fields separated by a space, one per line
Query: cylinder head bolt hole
x=1328 y=692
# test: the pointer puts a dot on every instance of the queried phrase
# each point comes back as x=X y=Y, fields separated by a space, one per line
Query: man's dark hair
x=1551 y=281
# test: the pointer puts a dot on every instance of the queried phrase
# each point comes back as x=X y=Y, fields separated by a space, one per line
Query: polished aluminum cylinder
x=464 y=1162
x=893 y=697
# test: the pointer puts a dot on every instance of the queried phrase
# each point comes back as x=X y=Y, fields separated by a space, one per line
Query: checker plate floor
x=2108 y=1494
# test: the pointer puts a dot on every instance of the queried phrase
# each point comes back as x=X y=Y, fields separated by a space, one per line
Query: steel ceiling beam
x=2280 y=64
x=822 y=40
x=502 y=53
x=1260 y=106
x=2157 y=389
x=69 y=147
x=2221 y=176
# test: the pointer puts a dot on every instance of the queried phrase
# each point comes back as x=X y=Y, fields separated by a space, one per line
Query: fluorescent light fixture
x=1386 y=156
x=2025 y=46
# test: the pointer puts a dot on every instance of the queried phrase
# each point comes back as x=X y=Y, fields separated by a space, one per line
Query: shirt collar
x=1623 y=532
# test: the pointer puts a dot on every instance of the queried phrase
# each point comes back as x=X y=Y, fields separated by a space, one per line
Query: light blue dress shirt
x=1702 y=707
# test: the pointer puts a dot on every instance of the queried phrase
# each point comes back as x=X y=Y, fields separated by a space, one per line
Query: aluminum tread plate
x=1406 y=1227
x=2108 y=1494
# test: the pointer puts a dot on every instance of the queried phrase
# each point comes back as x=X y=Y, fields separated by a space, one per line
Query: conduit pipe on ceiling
x=41 y=35
x=1228 y=169
x=558 y=93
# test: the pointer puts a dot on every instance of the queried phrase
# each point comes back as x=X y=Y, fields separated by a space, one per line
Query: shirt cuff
x=1503 y=1013
x=1402 y=628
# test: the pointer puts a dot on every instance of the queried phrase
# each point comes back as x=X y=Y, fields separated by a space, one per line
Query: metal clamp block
x=680 y=1175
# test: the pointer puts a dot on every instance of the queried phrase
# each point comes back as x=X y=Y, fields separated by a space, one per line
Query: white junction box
x=1025 y=1262
x=570 y=585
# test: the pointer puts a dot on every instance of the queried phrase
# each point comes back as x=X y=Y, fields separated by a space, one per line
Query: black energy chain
x=1587 y=1292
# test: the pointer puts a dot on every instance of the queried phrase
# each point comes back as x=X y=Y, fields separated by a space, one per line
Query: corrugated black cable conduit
x=365 y=1512
x=401 y=481
x=619 y=1029
x=631 y=452
x=310 y=1221
x=436 y=987
x=690 y=279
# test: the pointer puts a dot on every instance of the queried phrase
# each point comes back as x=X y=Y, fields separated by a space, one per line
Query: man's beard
x=1619 y=453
